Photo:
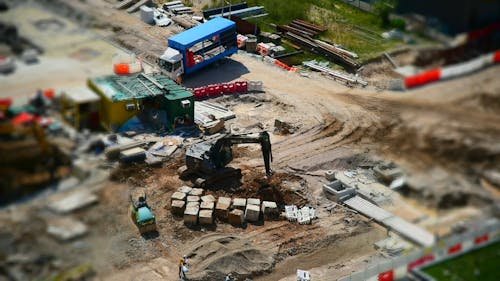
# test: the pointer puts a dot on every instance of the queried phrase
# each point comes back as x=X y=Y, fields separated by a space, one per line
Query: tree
x=383 y=8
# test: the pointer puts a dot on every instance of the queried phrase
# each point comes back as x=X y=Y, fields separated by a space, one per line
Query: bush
x=398 y=24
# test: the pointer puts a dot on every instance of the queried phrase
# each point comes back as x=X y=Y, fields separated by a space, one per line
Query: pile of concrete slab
x=198 y=209
x=304 y=215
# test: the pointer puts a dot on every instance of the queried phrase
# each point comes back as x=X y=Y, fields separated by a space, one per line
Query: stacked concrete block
x=208 y=198
x=239 y=203
x=252 y=212
x=185 y=189
x=270 y=210
x=178 y=207
x=192 y=198
x=206 y=217
x=180 y=196
x=191 y=215
x=207 y=205
x=253 y=201
x=193 y=205
x=222 y=208
x=196 y=192
x=236 y=217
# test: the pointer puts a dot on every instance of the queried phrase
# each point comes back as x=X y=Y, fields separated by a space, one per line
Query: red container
x=244 y=87
x=225 y=88
x=231 y=88
x=211 y=90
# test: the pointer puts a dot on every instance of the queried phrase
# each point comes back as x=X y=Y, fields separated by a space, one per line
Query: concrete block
x=269 y=210
x=178 y=196
x=207 y=205
x=191 y=216
x=252 y=213
x=222 y=208
x=65 y=229
x=239 y=203
x=193 y=205
x=236 y=217
x=224 y=200
x=196 y=192
x=72 y=202
x=191 y=198
x=178 y=207
x=253 y=201
x=208 y=198
x=206 y=217
x=184 y=189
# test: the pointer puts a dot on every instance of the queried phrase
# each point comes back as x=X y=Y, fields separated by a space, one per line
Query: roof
x=81 y=95
x=121 y=88
x=144 y=214
x=200 y=32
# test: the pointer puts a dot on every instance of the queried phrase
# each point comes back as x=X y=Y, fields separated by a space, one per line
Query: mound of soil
x=215 y=255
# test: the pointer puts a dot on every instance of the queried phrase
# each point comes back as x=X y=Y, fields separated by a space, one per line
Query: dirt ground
x=445 y=137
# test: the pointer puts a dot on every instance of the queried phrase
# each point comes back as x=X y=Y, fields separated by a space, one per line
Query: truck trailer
x=198 y=47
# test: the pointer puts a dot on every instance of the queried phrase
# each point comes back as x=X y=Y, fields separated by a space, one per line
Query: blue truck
x=198 y=47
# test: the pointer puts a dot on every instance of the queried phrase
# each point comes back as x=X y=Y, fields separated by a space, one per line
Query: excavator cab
x=208 y=159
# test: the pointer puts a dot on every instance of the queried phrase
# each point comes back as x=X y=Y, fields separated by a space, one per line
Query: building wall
x=174 y=110
x=113 y=113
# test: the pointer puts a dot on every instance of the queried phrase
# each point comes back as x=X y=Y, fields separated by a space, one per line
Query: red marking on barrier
x=481 y=239
x=420 y=262
x=423 y=78
x=496 y=56
x=7 y=102
x=386 y=276
x=483 y=31
x=122 y=68
x=455 y=249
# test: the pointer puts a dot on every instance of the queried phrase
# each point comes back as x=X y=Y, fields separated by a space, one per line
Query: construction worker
x=229 y=277
x=181 y=273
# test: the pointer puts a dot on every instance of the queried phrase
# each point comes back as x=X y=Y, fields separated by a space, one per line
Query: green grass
x=355 y=29
x=486 y=260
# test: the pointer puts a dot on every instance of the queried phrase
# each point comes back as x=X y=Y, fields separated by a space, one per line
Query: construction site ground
x=445 y=137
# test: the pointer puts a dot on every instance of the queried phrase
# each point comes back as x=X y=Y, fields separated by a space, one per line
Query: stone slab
x=252 y=213
x=64 y=229
x=178 y=207
x=239 y=203
x=72 y=202
x=207 y=205
x=206 y=217
x=208 y=198
x=181 y=196
x=270 y=210
x=196 y=192
x=236 y=217
x=253 y=201
x=191 y=198
x=184 y=189
x=191 y=216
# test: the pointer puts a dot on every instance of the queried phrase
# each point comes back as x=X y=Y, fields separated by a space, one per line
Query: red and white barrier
x=452 y=70
x=398 y=268
x=215 y=90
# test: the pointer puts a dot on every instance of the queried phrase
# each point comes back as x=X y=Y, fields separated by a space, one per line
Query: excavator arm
x=265 y=143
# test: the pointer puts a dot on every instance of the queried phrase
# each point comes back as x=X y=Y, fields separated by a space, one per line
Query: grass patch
x=349 y=26
x=484 y=261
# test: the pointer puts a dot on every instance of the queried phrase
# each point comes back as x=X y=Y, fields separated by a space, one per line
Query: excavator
x=208 y=159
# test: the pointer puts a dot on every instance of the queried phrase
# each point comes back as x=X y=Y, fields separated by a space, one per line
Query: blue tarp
x=199 y=33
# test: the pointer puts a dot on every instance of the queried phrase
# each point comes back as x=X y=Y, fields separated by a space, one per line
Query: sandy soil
x=443 y=135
